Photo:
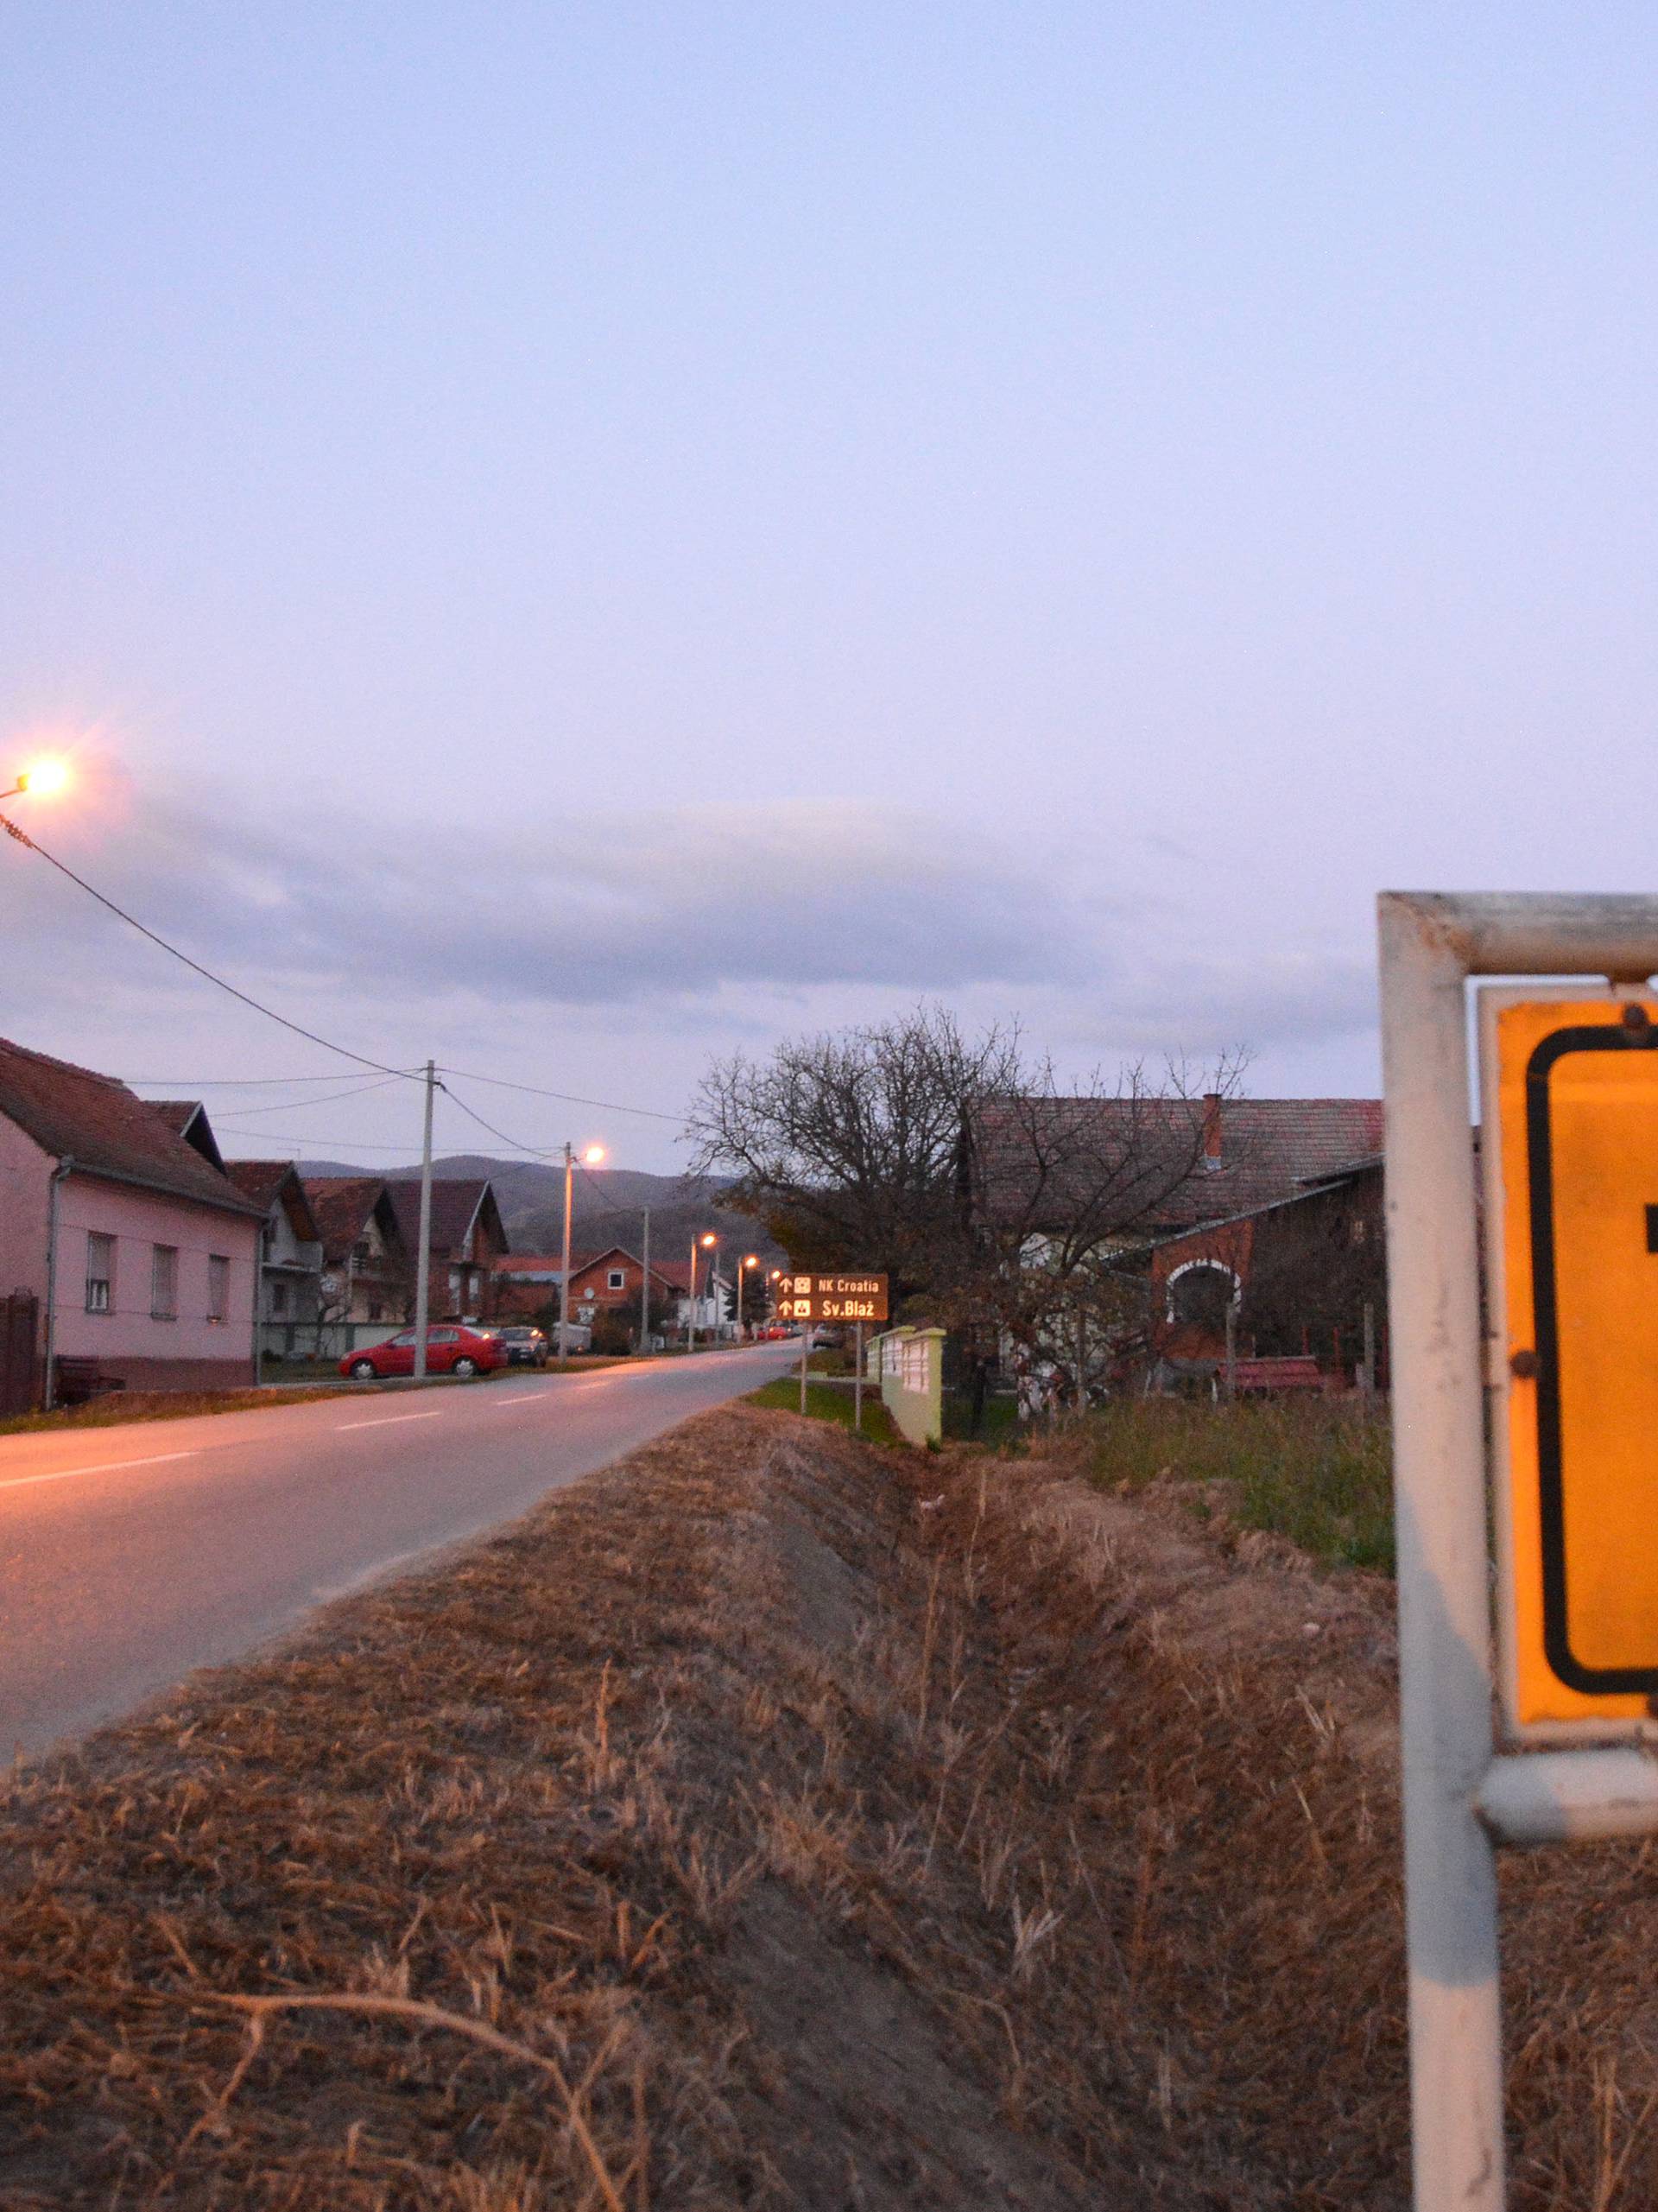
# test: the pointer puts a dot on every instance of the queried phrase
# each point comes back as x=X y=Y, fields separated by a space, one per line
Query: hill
x=607 y=1205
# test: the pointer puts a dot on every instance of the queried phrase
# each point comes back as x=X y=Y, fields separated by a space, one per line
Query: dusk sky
x=569 y=538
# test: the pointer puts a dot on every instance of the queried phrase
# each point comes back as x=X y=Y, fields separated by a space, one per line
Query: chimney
x=1211 y=1130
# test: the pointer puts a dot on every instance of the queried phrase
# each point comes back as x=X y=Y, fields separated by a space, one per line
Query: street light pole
x=691 y=1309
x=590 y=1157
x=423 y=1257
x=644 y=1287
x=564 y=1279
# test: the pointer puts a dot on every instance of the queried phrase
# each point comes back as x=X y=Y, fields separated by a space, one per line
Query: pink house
x=117 y=1217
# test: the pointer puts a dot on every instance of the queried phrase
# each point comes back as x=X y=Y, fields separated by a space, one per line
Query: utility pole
x=691 y=1310
x=644 y=1287
x=423 y=1257
x=564 y=1279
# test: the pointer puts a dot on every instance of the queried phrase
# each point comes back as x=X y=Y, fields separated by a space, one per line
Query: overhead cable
x=206 y=973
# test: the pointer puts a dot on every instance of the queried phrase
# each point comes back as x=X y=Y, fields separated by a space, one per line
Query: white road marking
x=385 y=1420
x=106 y=1467
x=519 y=1398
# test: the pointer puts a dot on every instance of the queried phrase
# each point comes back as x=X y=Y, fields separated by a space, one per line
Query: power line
x=303 y=1105
x=534 y=1152
x=180 y=1084
x=332 y=1144
x=568 y=1098
x=206 y=973
x=297 y=1029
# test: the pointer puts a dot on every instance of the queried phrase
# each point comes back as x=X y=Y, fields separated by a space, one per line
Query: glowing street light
x=705 y=1241
x=41 y=779
x=749 y=1259
x=590 y=1157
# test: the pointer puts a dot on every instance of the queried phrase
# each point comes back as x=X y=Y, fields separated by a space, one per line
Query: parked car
x=451 y=1349
x=524 y=1346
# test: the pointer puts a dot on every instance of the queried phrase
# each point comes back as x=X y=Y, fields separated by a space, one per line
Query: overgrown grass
x=1317 y=1472
x=828 y=1401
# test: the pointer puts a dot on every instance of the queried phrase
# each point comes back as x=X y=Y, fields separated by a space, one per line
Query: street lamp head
x=708 y=1238
x=593 y=1155
x=44 y=779
x=751 y=1260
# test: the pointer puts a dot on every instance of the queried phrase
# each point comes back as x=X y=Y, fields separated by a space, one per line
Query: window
x=218 y=1287
x=403 y=1341
x=360 y=1253
x=377 y=1312
x=278 y=1298
x=268 y=1239
x=618 y=1279
x=443 y=1336
x=164 y=1283
x=100 y=1273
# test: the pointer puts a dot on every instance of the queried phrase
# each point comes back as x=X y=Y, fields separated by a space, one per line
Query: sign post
x=855 y=1298
x=1570 y=1088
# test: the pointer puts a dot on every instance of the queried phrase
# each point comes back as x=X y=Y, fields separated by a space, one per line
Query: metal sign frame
x=1461 y=1796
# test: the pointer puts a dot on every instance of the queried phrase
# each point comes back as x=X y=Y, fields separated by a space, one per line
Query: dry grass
x=116 y=1408
x=773 y=1820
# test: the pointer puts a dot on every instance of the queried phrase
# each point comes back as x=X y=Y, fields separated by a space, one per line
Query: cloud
x=624 y=909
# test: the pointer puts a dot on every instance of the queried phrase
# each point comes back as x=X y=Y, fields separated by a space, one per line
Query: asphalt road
x=130 y=1555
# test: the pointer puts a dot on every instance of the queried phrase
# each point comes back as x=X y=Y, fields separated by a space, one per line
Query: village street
x=130 y=1556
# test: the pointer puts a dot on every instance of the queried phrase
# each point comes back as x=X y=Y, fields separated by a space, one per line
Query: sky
x=573 y=539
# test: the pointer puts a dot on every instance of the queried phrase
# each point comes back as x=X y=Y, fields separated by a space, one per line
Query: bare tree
x=966 y=1171
x=849 y=1146
x=1063 y=1190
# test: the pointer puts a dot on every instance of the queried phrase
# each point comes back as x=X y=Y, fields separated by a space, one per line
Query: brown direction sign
x=830 y=1297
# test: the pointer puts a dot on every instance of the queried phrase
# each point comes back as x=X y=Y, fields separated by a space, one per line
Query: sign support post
x=1461 y=1796
x=857 y=1382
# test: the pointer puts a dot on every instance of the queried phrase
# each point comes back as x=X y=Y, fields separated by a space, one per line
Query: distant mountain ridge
x=606 y=1204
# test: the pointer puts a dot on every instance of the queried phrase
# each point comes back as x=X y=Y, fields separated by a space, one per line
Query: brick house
x=1210 y=1195
x=117 y=1219
x=468 y=1237
x=601 y=1281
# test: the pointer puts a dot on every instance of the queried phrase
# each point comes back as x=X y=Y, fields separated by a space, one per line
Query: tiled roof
x=74 y=1114
x=1268 y=1149
x=266 y=1180
x=676 y=1274
x=454 y=1208
x=341 y=1206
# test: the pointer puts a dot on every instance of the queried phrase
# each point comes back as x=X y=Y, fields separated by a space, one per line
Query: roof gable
x=458 y=1205
x=78 y=1116
x=272 y=1182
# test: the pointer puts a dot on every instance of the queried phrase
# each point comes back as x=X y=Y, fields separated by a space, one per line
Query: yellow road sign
x=1577 y=1100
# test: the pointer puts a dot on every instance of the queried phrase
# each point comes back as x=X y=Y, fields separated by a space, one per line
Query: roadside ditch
x=773 y=1819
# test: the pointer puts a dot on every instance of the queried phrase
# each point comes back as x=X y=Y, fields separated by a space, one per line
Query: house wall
x=25 y=1180
x=190 y=1352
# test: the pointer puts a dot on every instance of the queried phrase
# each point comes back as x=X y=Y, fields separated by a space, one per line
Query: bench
x=79 y=1380
x=1299 y=1373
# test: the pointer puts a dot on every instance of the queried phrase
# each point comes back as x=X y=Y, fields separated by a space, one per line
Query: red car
x=451 y=1349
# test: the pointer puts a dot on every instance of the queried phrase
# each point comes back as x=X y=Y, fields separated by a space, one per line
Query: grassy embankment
x=827 y=1402
x=1314 y=1470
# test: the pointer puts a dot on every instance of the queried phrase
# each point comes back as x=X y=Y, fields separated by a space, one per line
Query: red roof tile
x=1269 y=1148
x=75 y=1114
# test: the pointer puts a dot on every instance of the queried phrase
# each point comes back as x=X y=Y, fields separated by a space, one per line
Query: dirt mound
x=773 y=1820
